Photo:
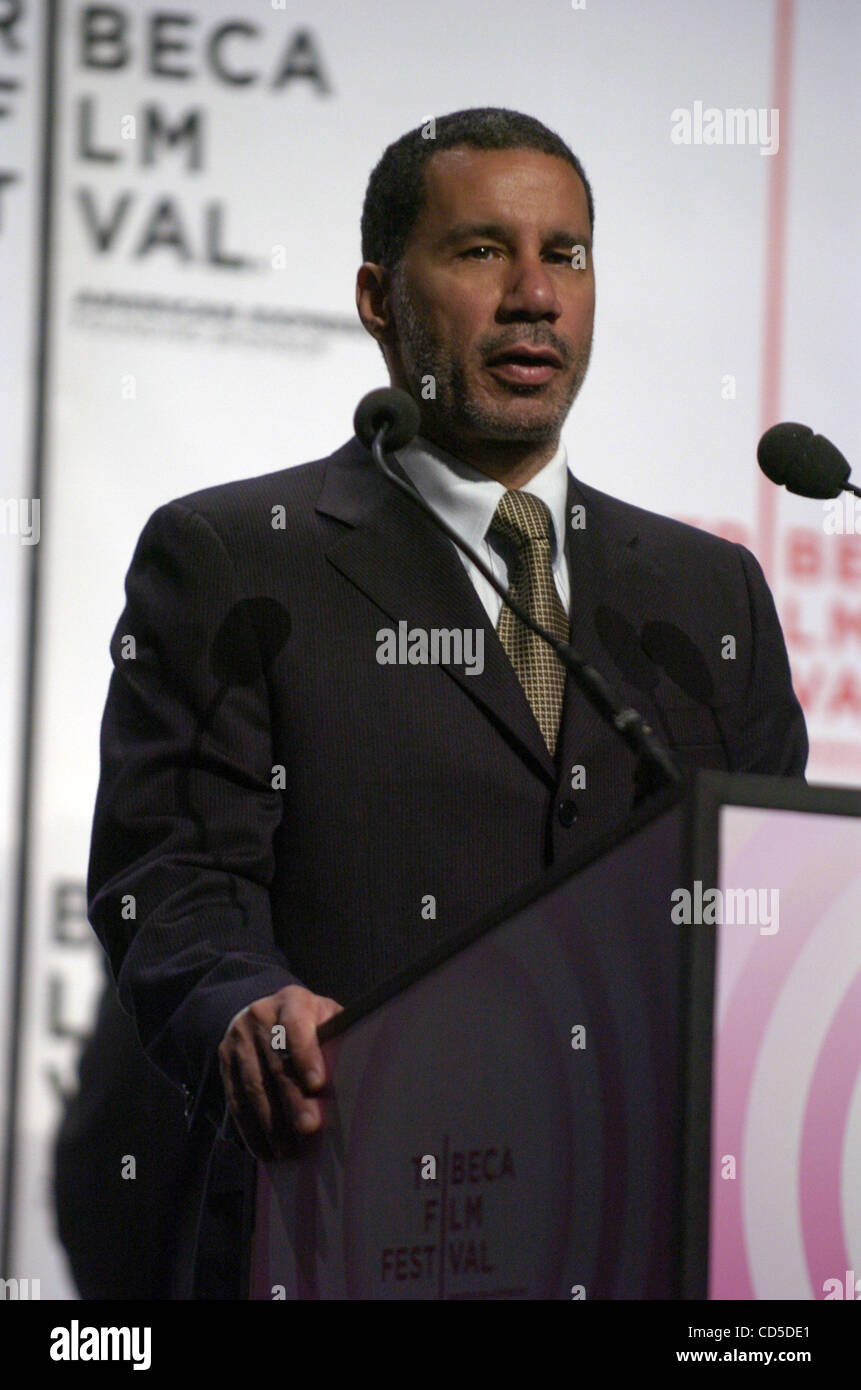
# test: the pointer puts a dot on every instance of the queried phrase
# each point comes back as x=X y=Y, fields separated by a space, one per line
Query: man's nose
x=530 y=290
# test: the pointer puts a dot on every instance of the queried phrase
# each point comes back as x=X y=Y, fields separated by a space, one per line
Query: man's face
x=489 y=269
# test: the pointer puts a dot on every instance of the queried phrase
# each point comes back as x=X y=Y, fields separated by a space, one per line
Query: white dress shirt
x=467 y=499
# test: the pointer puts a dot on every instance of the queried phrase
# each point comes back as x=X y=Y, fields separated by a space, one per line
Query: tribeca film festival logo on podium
x=453 y=1221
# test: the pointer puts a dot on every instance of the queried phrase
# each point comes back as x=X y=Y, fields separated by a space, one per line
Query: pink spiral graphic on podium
x=787 y=1060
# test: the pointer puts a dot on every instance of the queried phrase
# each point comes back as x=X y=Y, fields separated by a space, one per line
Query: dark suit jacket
x=254 y=609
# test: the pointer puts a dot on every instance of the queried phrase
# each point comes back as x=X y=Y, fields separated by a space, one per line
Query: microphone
x=389 y=414
x=805 y=463
x=390 y=409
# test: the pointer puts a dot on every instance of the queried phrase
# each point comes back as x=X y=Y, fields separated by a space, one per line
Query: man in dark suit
x=304 y=786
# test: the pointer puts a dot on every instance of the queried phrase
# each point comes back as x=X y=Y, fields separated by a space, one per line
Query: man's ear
x=373 y=301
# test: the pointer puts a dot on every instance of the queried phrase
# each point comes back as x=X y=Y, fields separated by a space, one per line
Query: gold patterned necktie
x=524 y=520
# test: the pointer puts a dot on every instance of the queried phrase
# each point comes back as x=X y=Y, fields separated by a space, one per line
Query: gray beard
x=454 y=409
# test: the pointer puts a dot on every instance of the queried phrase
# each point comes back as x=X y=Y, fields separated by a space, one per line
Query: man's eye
x=482 y=252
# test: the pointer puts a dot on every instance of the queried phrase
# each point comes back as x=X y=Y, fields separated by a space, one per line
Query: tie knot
x=522 y=518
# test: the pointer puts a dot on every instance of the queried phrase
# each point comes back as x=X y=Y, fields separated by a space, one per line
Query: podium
x=638 y=1080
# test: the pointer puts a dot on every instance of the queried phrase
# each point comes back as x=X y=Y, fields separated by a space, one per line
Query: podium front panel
x=786 y=1109
x=508 y=1125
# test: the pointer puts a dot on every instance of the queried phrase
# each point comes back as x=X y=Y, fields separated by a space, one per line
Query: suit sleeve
x=773 y=734
x=181 y=856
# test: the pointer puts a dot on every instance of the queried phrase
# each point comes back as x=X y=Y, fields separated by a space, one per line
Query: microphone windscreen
x=779 y=446
x=391 y=407
x=823 y=472
x=805 y=463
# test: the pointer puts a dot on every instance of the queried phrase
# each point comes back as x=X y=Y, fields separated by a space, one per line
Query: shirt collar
x=467 y=498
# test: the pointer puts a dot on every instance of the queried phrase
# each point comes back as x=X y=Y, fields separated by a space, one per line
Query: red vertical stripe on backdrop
x=775 y=260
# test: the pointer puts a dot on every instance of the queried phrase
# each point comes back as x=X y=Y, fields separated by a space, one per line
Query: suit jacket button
x=567 y=812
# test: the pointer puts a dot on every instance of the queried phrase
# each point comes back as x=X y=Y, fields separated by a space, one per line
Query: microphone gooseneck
x=387 y=414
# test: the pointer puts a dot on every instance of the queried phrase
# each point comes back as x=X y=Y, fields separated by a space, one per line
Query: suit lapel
x=411 y=571
x=609 y=577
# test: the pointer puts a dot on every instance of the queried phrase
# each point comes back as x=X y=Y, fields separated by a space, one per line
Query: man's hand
x=268 y=1088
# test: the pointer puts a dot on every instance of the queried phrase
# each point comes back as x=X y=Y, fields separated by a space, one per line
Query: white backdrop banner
x=208 y=177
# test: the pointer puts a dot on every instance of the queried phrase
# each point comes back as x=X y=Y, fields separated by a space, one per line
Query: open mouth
x=526 y=367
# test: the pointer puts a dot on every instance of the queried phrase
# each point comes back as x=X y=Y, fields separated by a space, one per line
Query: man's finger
x=288 y=1091
x=306 y=1113
x=244 y=1111
x=305 y=1052
x=259 y=1099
